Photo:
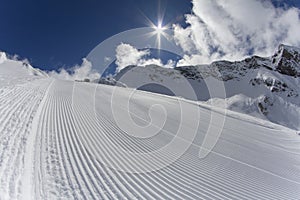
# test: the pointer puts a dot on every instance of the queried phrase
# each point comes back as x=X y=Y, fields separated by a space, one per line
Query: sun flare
x=159 y=29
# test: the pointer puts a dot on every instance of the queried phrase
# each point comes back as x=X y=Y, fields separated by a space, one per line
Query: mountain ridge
x=259 y=86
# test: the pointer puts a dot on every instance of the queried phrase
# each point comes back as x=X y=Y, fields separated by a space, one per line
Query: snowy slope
x=57 y=136
x=17 y=72
x=263 y=87
x=22 y=88
x=250 y=161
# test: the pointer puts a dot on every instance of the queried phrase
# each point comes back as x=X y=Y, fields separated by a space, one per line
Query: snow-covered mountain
x=264 y=87
x=22 y=71
x=75 y=140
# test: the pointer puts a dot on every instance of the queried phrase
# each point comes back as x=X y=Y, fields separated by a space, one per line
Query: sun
x=159 y=29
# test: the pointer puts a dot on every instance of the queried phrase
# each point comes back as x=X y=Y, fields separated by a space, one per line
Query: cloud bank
x=128 y=55
x=234 y=29
x=78 y=72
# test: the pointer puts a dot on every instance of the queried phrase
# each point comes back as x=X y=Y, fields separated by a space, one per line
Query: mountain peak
x=288 y=48
x=287 y=60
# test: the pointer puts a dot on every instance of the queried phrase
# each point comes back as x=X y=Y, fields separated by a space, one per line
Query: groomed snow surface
x=52 y=146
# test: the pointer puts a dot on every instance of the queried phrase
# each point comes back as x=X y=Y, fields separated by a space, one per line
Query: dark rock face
x=221 y=70
x=275 y=86
x=190 y=72
x=287 y=61
x=264 y=104
x=255 y=62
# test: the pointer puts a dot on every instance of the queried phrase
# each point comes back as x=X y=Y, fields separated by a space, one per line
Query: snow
x=17 y=72
x=18 y=105
x=2 y=57
x=281 y=112
x=61 y=139
x=243 y=85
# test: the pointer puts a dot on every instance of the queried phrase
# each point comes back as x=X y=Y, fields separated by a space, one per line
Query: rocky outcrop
x=287 y=60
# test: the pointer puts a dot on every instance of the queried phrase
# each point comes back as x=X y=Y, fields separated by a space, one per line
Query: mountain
x=287 y=60
x=22 y=71
x=76 y=140
x=264 y=87
x=159 y=54
x=65 y=139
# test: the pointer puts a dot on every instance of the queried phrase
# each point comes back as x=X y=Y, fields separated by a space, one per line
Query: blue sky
x=59 y=33
x=56 y=33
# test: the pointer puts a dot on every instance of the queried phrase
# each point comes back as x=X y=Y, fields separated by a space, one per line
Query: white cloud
x=128 y=55
x=78 y=72
x=2 y=57
x=170 y=64
x=152 y=61
x=233 y=29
